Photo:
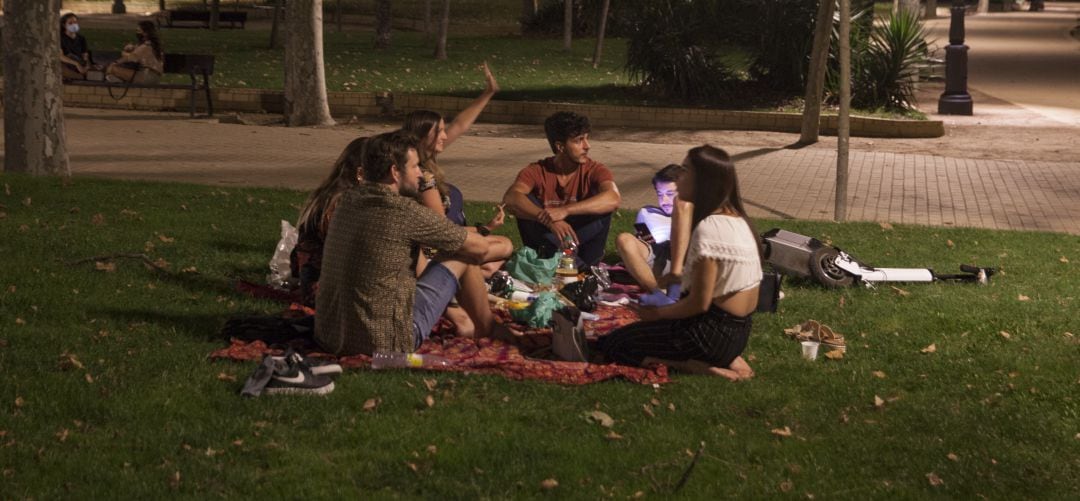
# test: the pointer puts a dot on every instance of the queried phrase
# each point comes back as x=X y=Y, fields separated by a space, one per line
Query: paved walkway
x=777 y=182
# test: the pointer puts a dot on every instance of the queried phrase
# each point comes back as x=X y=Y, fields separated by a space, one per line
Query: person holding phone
x=646 y=254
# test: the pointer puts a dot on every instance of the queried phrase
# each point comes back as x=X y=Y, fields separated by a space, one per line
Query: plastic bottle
x=398 y=360
x=566 y=272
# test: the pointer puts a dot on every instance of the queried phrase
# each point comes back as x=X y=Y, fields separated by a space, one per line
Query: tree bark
x=305 y=74
x=815 y=77
x=338 y=16
x=383 y=24
x=568 y=25
x=161 y=5
x=599 y=51
x=444 y=28
x=215 y=14
x=843 y=123
x=931 y=9
x=34 y=136
x=910 y=6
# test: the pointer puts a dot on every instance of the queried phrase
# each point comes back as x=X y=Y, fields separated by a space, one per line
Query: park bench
x=234 y=19
x=192 y=65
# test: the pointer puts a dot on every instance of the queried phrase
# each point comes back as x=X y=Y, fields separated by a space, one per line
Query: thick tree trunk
x=215 y=14
x=305 y=75
x=568 y=25
x=444 y=28
x=383 y=20
x=931 y=9
x=34 y=138
x=910 y=5
x=599 y=51
x=815 y=77
x=161 y=5
x=984 y=6
x=843 y=122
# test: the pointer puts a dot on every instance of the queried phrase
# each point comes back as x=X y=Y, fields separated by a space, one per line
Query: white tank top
x=729 y=240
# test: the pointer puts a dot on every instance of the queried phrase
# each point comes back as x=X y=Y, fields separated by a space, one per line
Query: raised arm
x=465 y=119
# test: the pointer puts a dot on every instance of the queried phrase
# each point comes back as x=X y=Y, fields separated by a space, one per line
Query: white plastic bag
x=280 y=272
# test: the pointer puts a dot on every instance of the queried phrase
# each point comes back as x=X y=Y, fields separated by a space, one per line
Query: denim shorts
x=434 y=290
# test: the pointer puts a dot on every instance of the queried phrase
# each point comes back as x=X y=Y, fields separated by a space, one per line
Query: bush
x=884 y=66
x=674 y=52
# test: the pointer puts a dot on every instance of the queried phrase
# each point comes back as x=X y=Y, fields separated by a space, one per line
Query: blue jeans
x=434 y=290
x=591 y=229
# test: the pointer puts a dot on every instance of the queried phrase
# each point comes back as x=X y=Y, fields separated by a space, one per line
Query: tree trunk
x=910 y=6
x=383 y=20
x=427 y=18
x=275 y=41
x=215 y=14
x=568 y=25
x=843 y=123
x=305 y=75
x=444 y=28
x=34 y=137
x=984 y=6
x=338 y=16
x=931 y=9
x=600 y=34
x=161 y=5
x=815 y=77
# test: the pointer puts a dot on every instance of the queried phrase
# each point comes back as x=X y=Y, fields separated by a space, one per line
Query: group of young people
x=140 y=62
x=384 y=248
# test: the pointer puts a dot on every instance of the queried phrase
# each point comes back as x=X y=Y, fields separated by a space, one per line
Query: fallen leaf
x=899 y=291
x=88 y=378
x=62 y=435
x=786 y=486
x=655 y=402
x=430 y=384
x=210 y=452
x=949 y=244
x=69 y=361
x=879 y=374
x=929 y=349
x=412 y=466
x=842 y=301
x=432 y=449
x=19 y=321
x=174 y=480
x=1022 y=297
x=238 y=442
x=782 y=432
x=671 y=407
x=97 y=219
x=26 y=201
x=885 y=226
x=934 y=479
x=103 y=266
x=952 y=457
x=19 y=402
x=648 y=410
x=548 y=484
x=371 y=403
x=611 y=435
x=7 y=189
x=166 y=239
x=600 y=417
x=835 y=355
x=189 y=269
x=878 y=402
x=1068 y=334
x=1064 y=259
x=226 y=377
x=1005 y=335
x=430 y=401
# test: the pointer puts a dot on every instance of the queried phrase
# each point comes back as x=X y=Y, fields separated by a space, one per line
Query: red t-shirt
x=584 y=182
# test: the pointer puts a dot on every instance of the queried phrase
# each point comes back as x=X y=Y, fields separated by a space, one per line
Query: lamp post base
x=118 y=7
x=954 y=104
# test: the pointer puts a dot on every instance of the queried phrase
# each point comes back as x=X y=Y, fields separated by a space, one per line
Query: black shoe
x=298 y=380
x=317 y=367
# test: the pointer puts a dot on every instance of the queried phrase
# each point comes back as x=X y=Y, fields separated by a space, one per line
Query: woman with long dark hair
x=306 y=257
x=707 y=330
x=141 y=62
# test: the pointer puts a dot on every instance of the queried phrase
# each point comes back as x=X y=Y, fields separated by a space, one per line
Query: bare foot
x=464 y=325
x=741 y=368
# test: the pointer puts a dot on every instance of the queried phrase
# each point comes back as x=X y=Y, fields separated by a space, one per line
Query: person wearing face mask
x=74 y=51
x=141 y=62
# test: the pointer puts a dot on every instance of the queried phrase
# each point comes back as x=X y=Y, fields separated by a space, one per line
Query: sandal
x=812 y=330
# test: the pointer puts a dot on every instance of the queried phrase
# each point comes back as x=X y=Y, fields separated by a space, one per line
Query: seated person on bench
x=369 y=298
x=568 y=195
x=141 y=63
x=647 y=254
x=74 y=51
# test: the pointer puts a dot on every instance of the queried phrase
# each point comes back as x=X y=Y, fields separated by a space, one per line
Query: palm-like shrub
x=884 y=65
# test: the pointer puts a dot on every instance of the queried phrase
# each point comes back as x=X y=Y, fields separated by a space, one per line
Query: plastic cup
x=810 y=349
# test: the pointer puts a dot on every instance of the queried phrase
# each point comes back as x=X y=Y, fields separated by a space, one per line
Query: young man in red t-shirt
x=568 y=194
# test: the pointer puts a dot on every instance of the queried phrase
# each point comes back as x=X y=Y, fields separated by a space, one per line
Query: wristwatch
x=482 y=230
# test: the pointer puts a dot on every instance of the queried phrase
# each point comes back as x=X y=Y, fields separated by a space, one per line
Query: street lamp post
x=956 y=100
x=118 y=7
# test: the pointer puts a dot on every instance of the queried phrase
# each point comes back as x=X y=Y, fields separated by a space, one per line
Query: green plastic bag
x=538 y=314
x=526 y=266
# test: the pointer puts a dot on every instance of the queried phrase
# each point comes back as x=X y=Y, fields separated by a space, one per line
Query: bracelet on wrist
x=482 y=230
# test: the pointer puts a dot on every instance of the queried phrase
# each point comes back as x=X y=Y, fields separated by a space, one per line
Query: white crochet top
x=729 y=240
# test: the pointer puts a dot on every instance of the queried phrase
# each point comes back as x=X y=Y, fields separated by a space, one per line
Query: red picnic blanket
x=487 y=356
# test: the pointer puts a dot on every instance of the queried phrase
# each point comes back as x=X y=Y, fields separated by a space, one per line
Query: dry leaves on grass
x=548 y=484
x=1022 y=297
x=929 y=349
x=600 y=417
x=949 y=244
x=952 y=457
x=878 y=402
x=647 y=409
x=1064 y=260
x=781 y=432
x=885 y=226
x=371 y=404
x=611 y=435
x=934 y=479
x=900 y=292
x=430 y=384
x=68 y=361
x=107 y=267
x=165 y=239
x=97 y=219
x=879 y=374
x=1005 y=334
x=835 y=355
x=429 y=400
x=222 y=376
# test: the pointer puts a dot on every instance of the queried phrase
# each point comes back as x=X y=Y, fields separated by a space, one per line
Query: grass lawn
x=106 y=392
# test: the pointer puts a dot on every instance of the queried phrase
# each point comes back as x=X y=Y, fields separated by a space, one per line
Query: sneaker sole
x=290 y=390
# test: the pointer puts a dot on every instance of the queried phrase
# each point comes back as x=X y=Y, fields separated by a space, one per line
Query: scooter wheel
x=824 y=269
